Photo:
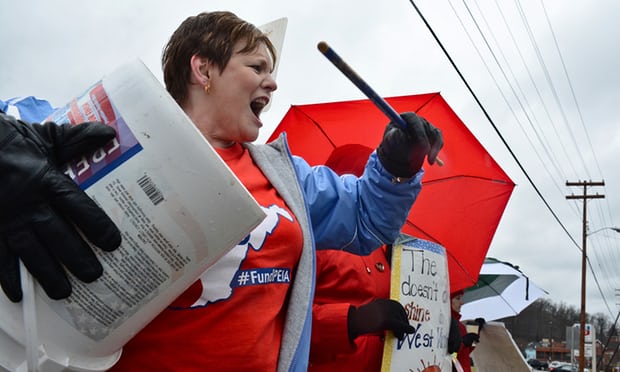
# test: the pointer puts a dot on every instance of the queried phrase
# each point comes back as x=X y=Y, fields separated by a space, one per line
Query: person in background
x=218 y=68
x=468 y=338
x=455 y=338
x=352 y=307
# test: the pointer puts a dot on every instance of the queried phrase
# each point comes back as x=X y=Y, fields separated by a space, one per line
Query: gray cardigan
x=275 y=162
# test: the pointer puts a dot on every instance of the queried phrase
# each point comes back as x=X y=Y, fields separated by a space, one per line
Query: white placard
x=179 y=209
x=420 y=283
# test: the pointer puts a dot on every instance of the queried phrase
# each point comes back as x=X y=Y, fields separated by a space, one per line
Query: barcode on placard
x=149 y=188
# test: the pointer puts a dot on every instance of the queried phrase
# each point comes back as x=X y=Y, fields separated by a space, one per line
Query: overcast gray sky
x=55 y=50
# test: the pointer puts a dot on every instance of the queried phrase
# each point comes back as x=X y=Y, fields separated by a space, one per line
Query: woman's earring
x=208 y=88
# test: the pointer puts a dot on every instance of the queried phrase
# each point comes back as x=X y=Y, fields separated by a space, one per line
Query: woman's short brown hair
x=209 y=34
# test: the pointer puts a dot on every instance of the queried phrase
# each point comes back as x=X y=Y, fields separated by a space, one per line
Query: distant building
x=554 y=350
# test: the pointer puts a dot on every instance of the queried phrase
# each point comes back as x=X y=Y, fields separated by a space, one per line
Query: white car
x=561 y=367
x=556 y=364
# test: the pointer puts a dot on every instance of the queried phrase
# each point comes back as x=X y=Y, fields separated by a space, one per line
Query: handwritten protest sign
x=420 y=283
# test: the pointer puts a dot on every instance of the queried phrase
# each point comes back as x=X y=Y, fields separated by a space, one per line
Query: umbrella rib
x=498 y=294
x=431 y=98
x=445 y=179
x=429 y=236
x=319 y=128
x=490 y=284
x=527 y=278
x=465 y=271
x=480 y=278
x=505 y=301
x=527 y=286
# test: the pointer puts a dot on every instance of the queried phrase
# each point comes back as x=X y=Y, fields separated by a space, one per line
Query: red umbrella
x=461 y=202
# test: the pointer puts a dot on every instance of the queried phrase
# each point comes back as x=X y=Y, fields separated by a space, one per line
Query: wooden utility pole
x=582 y=322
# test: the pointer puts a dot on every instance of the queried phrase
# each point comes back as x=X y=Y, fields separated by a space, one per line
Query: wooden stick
x=365 y=88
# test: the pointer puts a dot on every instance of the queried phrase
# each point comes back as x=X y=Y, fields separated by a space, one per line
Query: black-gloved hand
x=40 y=207
x=402 y=151
x=480 y=322
x=378 y=315
x=470 y=338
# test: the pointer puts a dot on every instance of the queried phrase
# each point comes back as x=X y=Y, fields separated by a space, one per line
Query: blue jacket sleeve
x=29 y=109
x=356 y=214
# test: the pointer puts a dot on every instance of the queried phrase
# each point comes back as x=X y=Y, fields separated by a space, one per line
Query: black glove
x=378 y=315
x=39 y=205
x=402 y=151
x=481 y=322
x=454 y=336
x=470 y=338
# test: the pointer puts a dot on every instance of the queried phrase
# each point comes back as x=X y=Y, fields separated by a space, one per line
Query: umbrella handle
x=385 y=107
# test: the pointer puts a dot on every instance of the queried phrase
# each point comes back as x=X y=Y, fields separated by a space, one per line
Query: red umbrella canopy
x=461 y=203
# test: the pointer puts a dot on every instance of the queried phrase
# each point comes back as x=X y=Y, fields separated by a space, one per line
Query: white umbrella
x=502 y=291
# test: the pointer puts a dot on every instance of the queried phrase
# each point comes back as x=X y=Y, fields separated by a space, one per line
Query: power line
x=497 y=130
x=606 y=221
x=523 y=102
x=570 y=85
x=530 y=117
x=486 y=114
x=551 y=85
x=543 y=163
x=542 y=63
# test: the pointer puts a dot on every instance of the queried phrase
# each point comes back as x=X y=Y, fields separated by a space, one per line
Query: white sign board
x=420 y=283
x=179 y=209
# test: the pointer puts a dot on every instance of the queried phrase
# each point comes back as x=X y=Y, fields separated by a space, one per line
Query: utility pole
x=582 y=322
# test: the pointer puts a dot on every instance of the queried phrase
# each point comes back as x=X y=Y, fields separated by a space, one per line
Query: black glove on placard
x=39 y=205
x=402 y=151
x=480 y=322
x=379 y=315
x=470 y=338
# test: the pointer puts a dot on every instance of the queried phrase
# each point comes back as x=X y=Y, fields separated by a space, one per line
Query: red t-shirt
x=235 y=322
